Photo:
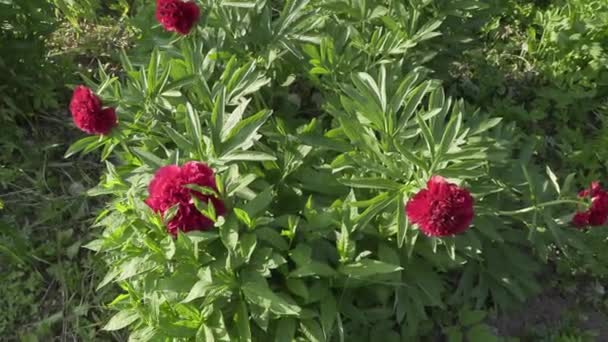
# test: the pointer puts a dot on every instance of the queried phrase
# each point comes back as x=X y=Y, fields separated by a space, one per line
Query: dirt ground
x=557 y=309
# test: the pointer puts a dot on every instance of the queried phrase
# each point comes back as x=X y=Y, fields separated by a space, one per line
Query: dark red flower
x=441 y=209
x=87 y=113
x=597 y=214
x=177 y=15
x=168 y=188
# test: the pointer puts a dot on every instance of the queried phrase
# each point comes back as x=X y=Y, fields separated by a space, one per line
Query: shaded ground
x=571 y=311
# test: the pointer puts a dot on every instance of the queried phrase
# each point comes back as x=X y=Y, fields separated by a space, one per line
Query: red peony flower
x=597 y=214
x=177 y=15
x=88 y=114
x=168 y=188
x=441 y=209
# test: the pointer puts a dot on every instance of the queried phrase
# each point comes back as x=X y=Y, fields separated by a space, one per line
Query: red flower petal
x=87 y=113
x=177 y=15
x=442 y=209
x=597 y=214
x=168 y=188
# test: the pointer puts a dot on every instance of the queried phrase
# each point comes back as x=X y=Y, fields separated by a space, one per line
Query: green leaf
x=367 y=268
x=148 y=158
x=243 y=217
x=259 y=204
x=312 y=330
x=121 y=320
x=297 y=287
x=346 y=247
x=95 y=245
x=379 y=203
x=151 y=72
x=239 y=4
x=286 y=330
x=412 y=104
x=426 y=133
x=133 y=267
x=486 y=125
x=205 y=334
x=229 y=233
x=329 y=313
x=410 y=156
x=260 y=294
x=179 y=140
x=312 y=269
x=80 y=145
x=194 y=125
x=217 y=117
x=272 y=237
x=243 y=133
x=453 y=334
x=481 y=333
x=449 y=134
x=371 y=183
x=402 y=222
x=404 y=89
x=241 y=318
x=234 y=118
x=203 y=286
x=248 y=156
x=470 y=317
x=553 y=179
x=248 y=243
x=199 y=290
x=182 y=82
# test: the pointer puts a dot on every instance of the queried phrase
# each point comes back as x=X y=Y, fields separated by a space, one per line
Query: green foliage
x=321 y=118
x=544 y=67
x=316 y=245
x=45 y=287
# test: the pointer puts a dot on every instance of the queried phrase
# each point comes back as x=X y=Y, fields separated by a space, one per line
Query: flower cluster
x=597 y=213
x=177 y=15
x=88 y=114
x=169 y=188
x=441 y=209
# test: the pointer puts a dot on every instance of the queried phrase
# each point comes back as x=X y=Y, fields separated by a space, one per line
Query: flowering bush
x=306 y=135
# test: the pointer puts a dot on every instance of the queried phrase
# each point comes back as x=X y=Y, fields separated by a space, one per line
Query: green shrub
x=544 y=66
x=321 y=121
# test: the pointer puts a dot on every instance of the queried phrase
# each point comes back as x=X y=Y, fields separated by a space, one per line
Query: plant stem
x=542 y=205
